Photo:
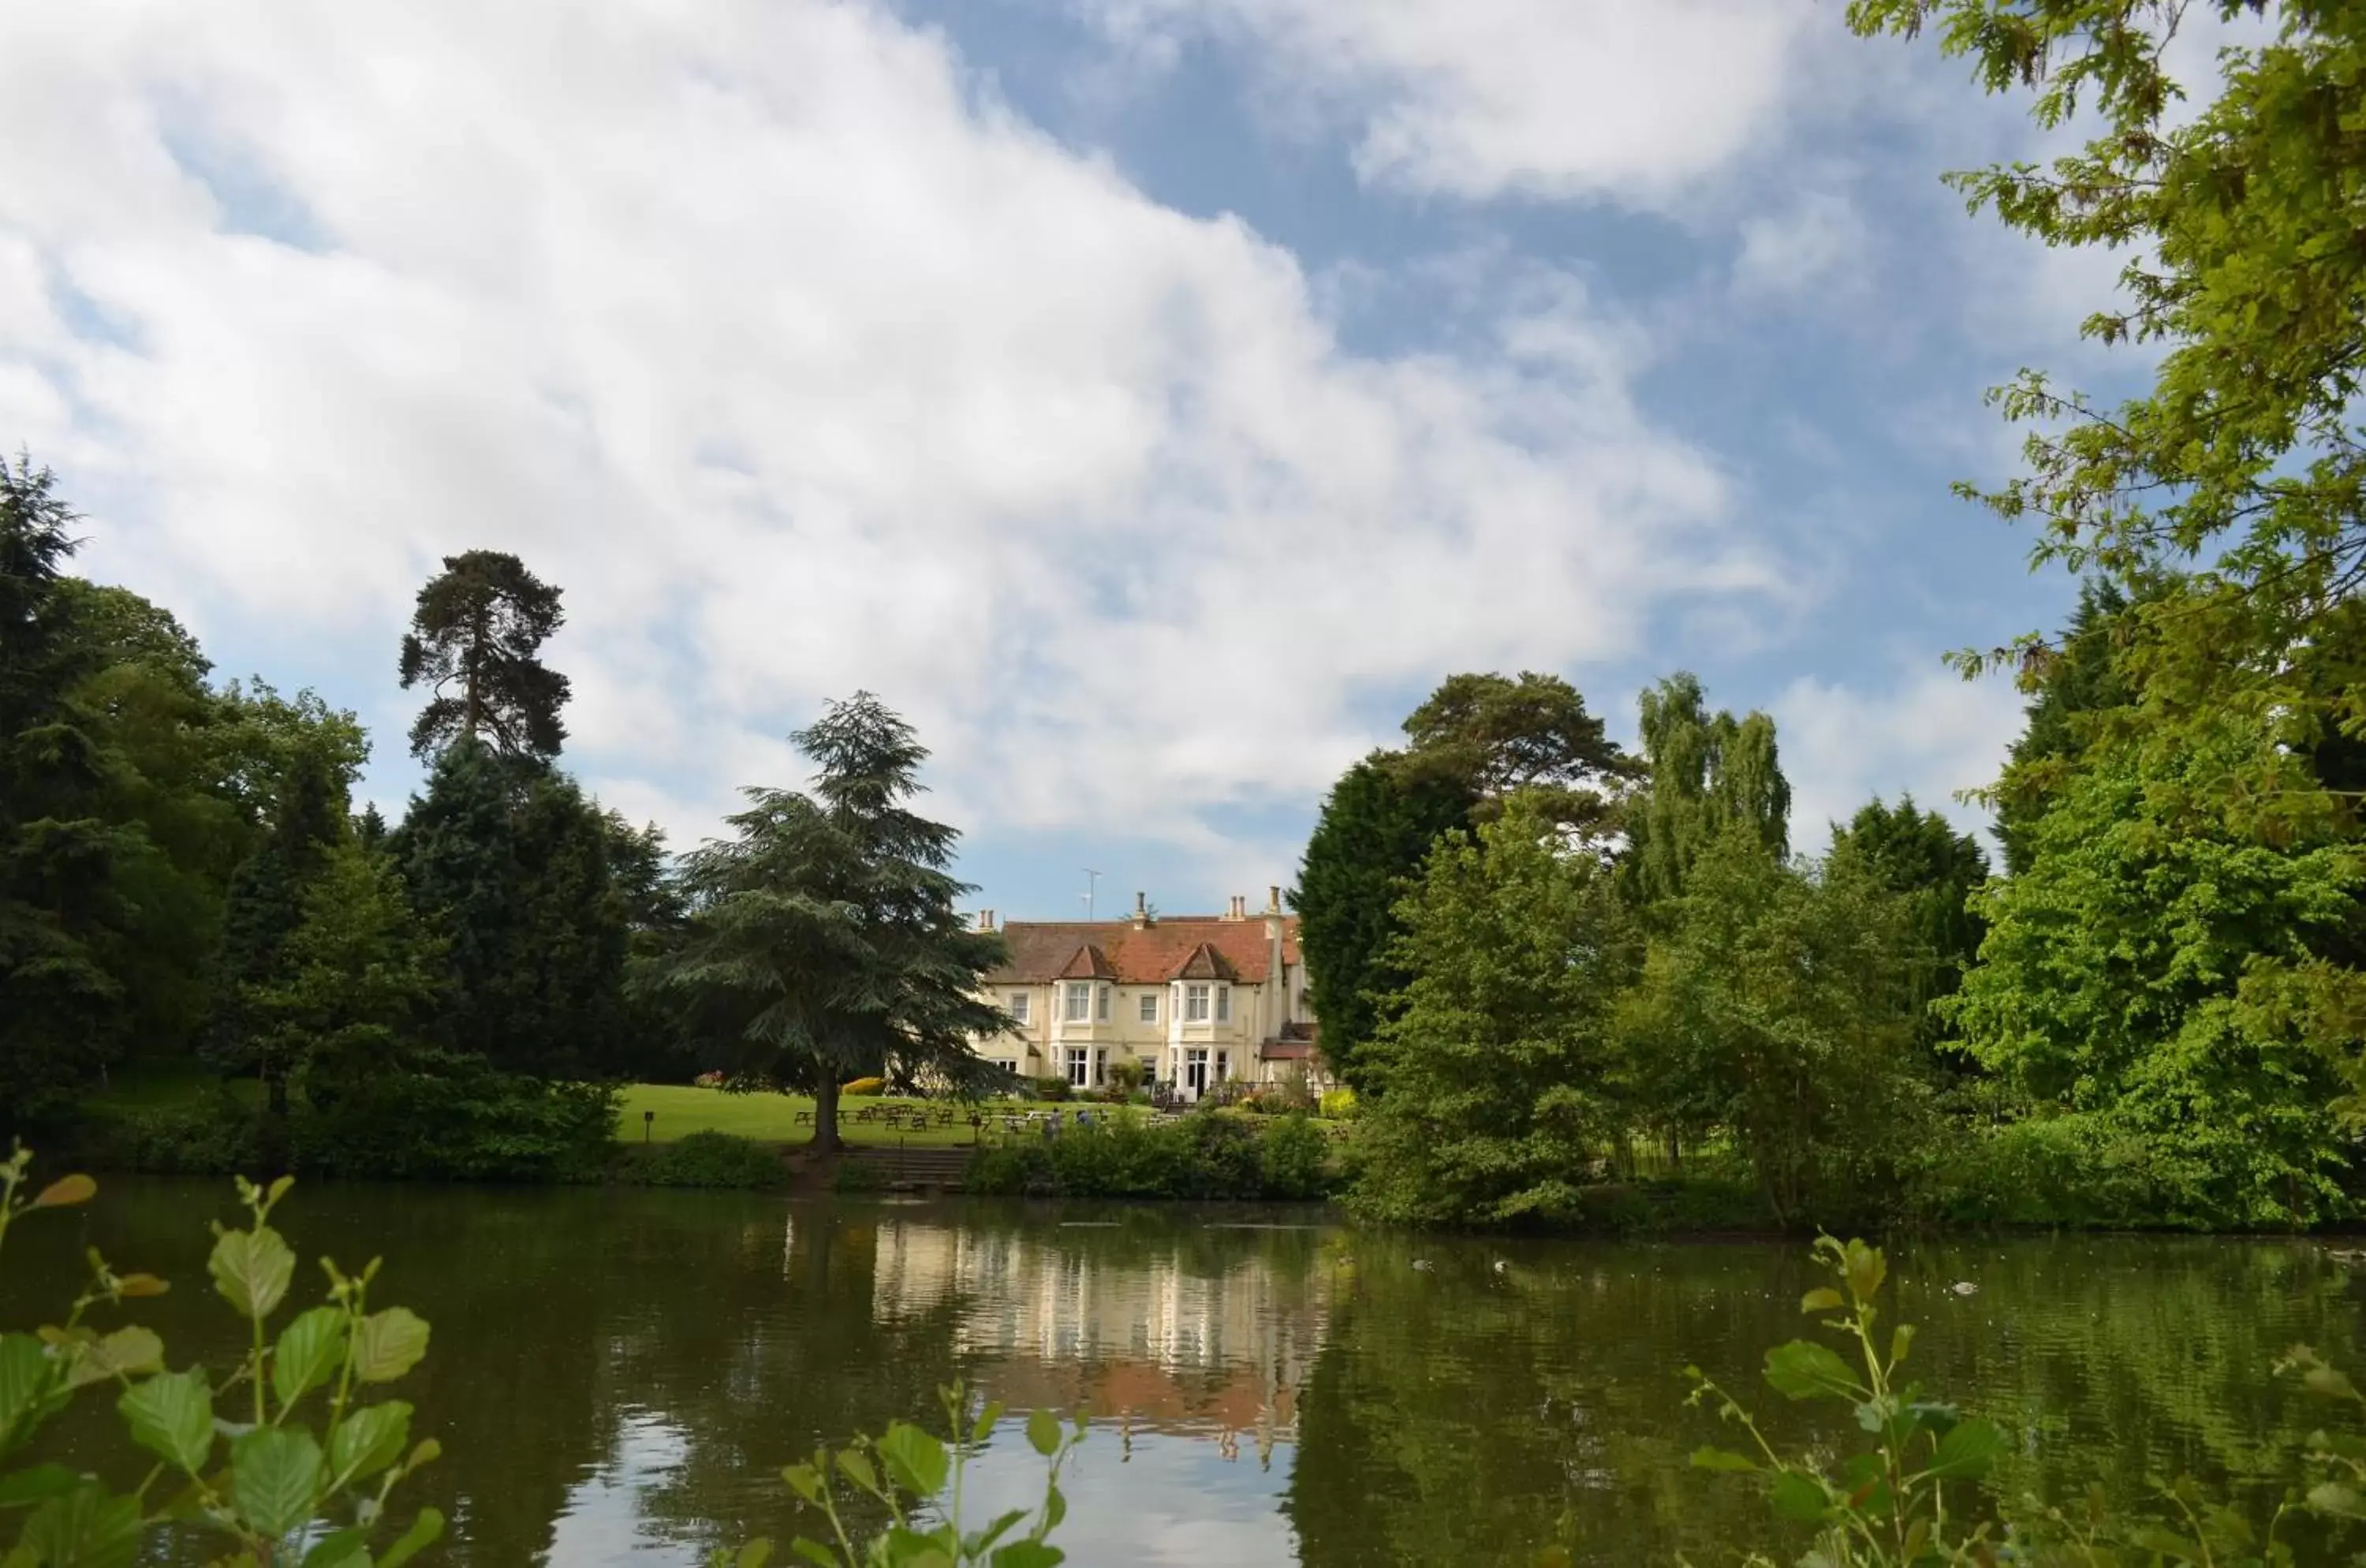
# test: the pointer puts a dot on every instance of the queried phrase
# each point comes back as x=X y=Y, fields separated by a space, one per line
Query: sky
x=1151 y=399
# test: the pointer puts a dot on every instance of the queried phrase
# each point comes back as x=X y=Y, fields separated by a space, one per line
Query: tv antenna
x=1092 y=886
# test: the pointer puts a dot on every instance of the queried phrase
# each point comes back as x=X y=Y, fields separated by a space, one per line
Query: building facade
x=1198 y=999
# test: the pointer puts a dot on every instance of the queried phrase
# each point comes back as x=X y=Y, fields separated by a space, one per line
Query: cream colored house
x=1198 y=999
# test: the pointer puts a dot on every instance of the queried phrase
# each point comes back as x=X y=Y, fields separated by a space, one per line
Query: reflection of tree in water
x=641 y=1364
x=1461 y=1413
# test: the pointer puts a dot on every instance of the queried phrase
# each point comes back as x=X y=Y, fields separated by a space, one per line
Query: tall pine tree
x=476 y=641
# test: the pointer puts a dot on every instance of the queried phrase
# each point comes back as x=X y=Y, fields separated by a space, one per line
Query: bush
x=858 y=1176
x=1339 y=1104
x=709 y=1159
x=1053 y=1087
x=455 y=1117
x=1295 y=1158
x=216 y=1135
x=864 y=1086
x=1207 y=1156
x=2079 y=1170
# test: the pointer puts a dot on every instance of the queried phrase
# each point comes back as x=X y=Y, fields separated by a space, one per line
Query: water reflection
x=616 y=1377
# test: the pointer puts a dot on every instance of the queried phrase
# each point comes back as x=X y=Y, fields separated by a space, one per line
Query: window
x=1150 y=1006
x=1079 y=1002
x=1195 y=1070
x=1195 y=1004
x=1019 y=1007
x=1101 y=1007
x=1080 y=1065
x=1223 y=1004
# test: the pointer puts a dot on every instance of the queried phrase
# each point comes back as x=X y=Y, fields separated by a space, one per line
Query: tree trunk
x=826 y=1139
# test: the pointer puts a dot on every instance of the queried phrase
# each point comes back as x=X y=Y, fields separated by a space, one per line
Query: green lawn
x=771 y=1118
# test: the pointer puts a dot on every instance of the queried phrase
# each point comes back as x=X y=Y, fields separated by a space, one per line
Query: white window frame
x=1149 y=1013
x=1076 y=1002
x=1196 y=1002
x=1080 y=1065
x=1101 y=1006
x=1223 y=1004
x=1019 y=1007
x=1196 y=1068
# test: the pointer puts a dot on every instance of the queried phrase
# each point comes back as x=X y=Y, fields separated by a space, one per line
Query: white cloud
x=1929 y=733
x=801 y=367
x=1545 y=97
x=1819 y=243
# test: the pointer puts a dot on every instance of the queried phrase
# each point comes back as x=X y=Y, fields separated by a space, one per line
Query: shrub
x=864 y=1086
x=1052 y=1087
x=1294 y=1158
x=456 y=1117
x=1339 y=1104
x=2077 y=1170
x=710 y=1159
x=216 y=1135
x=1210 y=1155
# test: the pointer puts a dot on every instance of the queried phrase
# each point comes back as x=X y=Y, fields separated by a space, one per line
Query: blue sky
x=1151 y=398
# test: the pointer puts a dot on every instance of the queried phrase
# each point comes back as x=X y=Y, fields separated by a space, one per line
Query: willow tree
x=823 y=942
x=1708 y=773
x=475 y=642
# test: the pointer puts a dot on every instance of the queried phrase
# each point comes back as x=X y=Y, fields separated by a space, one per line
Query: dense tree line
x=2154 y=1011
x=185 y=890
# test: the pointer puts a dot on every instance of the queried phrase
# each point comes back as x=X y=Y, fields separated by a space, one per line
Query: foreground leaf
x=1804 y=1369
x=276 y=1474
x=309 y=1353
x=423 y=1534
x=172 y=1416
x=85 y=1529
x=252 y=1269
x=388 y=1344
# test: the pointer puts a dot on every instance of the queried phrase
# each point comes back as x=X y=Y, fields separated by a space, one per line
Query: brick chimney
x=1141 y=911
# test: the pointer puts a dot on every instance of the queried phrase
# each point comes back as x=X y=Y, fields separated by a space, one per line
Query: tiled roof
x=1089 y=964
x=1041 y=950
x=1286 y=1050
x=1206 y=963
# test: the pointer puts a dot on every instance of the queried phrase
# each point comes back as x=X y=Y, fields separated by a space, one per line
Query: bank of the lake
x=617 y=1374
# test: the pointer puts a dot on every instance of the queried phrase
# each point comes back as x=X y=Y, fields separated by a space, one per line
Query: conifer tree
x=824 y=942
x=476 y=641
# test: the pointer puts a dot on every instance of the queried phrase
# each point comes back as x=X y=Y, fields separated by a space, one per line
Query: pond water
x=617 y=1376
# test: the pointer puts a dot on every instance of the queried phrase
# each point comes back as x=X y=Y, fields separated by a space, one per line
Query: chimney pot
x=1273 y=898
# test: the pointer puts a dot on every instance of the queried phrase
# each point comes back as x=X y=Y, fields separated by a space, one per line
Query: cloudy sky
x=1151 y=398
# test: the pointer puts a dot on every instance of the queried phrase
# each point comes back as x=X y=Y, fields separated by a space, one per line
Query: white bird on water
x=1421 y=1263
x=1965 y=1288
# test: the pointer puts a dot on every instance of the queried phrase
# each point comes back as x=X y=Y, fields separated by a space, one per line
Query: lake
x=617 y=1376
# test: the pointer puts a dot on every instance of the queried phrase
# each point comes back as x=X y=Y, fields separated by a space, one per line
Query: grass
x=682 y=1109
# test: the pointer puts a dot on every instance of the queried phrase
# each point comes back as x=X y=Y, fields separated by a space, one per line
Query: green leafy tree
x=2239 y=472
x=1474 y=743
x=267 y=902
x=476 y=641
x=2077 y=683
x=823 y=942
x=62 y=1008
x=1490 y=1073
x=1375 y=831
x=1705 y=774
x=356 y=983
x=1921 y=857
x=2143 y=972
x=509 y=862
x=1492 y=735
x=1776 y=1004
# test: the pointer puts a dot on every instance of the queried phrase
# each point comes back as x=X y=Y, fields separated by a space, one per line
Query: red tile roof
x=1089 y=964
x=1043 y=950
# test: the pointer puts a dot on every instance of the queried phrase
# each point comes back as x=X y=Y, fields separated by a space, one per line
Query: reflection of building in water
x=1144 y=1337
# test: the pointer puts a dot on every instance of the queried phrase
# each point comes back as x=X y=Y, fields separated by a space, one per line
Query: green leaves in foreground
x=327 y=1485
x=907 y=1470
